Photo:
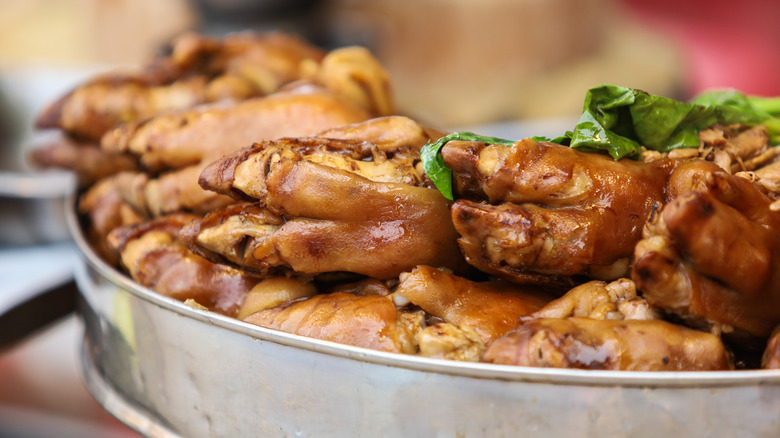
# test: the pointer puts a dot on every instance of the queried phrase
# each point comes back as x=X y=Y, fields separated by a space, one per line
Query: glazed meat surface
x=329 y=205
x=489 y=308
x=539 y=212
x=183 y=144
x=335 y=88
x=185 y=137
x=245 y=174
x=365 y=314
x=771 y=357
x=628 y=345
x=362 y=321
x=200 y=69
x=354 y=73
x=154 y=257
x=598 y=300
x=333 y=220
x=398 y=136
x=265 y=179
x=712 y=255
x=106 y=208
x=274 y=291
x=170 y=150
x=89 y=163
x=381 y=149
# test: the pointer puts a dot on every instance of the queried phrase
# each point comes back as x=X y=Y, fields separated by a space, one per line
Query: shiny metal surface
x=168 y=370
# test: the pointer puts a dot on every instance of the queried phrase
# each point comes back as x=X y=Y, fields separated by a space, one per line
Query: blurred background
x=454 y=64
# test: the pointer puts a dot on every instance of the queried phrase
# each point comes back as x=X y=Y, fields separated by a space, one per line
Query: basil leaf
x=433 y=162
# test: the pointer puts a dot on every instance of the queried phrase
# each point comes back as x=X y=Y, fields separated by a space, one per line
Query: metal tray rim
x=116 y=404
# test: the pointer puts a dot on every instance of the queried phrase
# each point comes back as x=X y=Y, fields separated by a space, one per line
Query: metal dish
x=168 y=370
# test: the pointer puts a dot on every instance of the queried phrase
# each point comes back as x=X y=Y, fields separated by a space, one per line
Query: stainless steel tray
x=168 y=370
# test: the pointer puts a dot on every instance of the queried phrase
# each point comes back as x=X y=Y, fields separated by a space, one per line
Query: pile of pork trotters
x=263 y=178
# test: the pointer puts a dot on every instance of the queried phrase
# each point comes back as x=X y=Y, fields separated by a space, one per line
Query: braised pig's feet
x=89 y=163
x=327 y=219
x=200 y=69
x=463 y=316
x=629 y=345
x=598 y=300
x=712 y=256
x=771 y=357
x=363 y=321
x=107 y=208
x=489 y=309
x=154 y=257
x=539 y=212
x=180 y=145
x=342 y=205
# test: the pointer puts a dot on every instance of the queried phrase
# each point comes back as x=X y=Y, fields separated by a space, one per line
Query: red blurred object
x=728 y=44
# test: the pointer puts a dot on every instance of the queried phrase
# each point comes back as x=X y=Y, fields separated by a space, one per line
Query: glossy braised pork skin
x=324 y=219
x=712 y=254
x=539 y=212
x=145 y=195
x=106 y=207
x=598 y=300
x=330 y=204
x=490 y=308
x=199 y=70
x=154 y=257
x=362 y=321
x=182 y=144
x=245 y=174
x=171 y=146
x=627 y=345
x=430 y=313
x=265 y=179
x=89 y=163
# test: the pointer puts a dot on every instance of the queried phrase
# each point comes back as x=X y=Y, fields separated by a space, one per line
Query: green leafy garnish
x=741 y=108
x=433 y=163
x=619 y=120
